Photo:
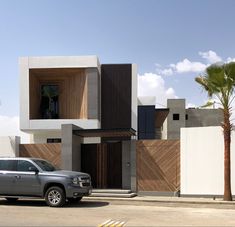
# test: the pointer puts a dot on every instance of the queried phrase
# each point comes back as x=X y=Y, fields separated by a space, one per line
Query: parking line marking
x=112 y=223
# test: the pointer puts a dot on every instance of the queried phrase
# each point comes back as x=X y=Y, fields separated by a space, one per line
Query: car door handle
x=17 y=177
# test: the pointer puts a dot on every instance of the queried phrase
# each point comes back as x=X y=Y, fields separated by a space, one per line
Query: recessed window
x=53 y=140
x=176 y=117
x=186 y=117
x=50 y=101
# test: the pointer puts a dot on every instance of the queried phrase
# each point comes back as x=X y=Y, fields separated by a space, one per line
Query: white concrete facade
x=134 y=97
x=27 y=63
x=9 y=146
x=202 y=161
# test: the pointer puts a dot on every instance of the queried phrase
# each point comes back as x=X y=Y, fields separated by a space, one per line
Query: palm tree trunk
x=227 y=171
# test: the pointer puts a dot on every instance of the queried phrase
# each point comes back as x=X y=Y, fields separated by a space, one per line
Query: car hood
x=67 y=173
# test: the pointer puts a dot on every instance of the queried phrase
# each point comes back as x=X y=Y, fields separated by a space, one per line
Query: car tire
x=11 y=200
x=55 y=197
x=74 y=200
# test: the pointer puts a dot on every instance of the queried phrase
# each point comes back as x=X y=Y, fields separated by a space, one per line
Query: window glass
x=8 y=165
x=24 y=165
x=49 y=101
x=186 y=117
x=176 y=117
x=44 y=165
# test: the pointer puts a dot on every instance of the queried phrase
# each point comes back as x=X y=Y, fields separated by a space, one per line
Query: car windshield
x=45 y=166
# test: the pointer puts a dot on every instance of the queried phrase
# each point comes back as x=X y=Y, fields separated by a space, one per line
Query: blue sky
x=158 y=35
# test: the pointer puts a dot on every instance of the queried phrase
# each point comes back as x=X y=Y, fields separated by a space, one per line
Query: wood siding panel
x=158 y=165
x=72 y=91
x=116 y=96
x=48 y=151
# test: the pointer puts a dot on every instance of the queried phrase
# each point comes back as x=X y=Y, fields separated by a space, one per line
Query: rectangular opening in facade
x=71 y=99
x=176 y=117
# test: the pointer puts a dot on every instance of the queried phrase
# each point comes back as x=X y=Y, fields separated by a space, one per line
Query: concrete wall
x=70 y=149
x=42 y=136
x=9 y=146
x=204 y=117
x=93 y=93
x=126 y=164
x=176 y=106
x=202 y=156
x=134 y=86
x=133 y=165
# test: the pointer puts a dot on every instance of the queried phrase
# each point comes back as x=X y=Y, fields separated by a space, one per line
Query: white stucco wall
x=202 y=161
x=42 y=136
x=9 y=146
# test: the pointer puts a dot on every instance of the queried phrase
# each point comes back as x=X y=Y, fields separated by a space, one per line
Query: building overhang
x=160 y=116
x=105 y=132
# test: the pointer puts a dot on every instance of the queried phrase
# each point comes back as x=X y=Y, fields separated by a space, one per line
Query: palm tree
x=219 y=81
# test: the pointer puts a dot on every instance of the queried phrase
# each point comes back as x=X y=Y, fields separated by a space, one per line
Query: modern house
x=84 y=116
x=87 y=107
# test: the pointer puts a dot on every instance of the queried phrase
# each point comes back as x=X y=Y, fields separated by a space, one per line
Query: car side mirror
x=33 y=169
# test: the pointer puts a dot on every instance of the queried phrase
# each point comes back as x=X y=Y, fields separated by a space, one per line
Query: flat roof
x=123 y=132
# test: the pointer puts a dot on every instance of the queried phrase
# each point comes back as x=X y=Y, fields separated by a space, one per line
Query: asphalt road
x=93 y=213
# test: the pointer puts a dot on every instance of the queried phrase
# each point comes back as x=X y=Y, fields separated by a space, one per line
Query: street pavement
x=145 y=211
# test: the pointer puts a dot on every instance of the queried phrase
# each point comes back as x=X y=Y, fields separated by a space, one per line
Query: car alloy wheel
x=55 y=197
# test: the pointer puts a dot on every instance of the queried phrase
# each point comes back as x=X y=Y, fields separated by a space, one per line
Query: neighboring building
x=180 y=117
x=165 y=123
x=90 y=108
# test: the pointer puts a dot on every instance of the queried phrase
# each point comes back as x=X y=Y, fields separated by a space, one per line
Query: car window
x=24 y=165
x=45 y=166
x=9 y=165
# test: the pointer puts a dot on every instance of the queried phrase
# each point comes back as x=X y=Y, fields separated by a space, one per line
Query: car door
x=7 y=176
x=28 y=181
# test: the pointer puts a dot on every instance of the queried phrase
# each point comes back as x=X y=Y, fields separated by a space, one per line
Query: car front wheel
x=55 y=197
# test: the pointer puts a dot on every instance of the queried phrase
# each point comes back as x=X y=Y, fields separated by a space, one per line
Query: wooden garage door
x=158 y=165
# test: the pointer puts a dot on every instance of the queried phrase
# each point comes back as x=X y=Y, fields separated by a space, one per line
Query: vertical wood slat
x=48 y=151
x=158 y=165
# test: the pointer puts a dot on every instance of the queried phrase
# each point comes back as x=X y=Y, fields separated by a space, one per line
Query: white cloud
x=165 y=72
x=150 y=84
x=229 y=59
x=190 y=105
x=210 y=56
x=9 y=126
x=186 y=66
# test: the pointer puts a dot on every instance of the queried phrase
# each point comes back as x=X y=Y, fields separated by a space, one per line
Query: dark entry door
x=114 y=165
x=104 y=163
x=89 y=153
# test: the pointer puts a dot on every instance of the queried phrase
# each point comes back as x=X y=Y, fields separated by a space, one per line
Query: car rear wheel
x=9 y=199
x=74 y=200
x=55 y=197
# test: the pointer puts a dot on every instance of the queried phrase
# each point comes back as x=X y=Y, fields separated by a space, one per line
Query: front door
x=104 y=163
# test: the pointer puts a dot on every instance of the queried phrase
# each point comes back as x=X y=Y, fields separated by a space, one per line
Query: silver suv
x=31 y=177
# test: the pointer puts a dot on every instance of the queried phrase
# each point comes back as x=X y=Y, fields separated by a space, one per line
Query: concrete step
x=112 y=191
x=116 y=195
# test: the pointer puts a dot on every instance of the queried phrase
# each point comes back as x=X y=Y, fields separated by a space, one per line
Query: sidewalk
x=166 y=199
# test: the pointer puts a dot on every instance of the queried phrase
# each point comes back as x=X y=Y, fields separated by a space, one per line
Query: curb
x=163 y=200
